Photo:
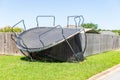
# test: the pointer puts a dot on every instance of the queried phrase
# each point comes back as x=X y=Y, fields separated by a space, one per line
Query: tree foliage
x=116 y=31
x=10 y=29
x=90 y=25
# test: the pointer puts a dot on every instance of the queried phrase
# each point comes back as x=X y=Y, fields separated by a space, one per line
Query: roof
x=87 y=30
x=91 y=31
x=108 y=33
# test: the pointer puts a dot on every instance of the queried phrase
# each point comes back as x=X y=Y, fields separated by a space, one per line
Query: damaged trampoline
x=52 y=42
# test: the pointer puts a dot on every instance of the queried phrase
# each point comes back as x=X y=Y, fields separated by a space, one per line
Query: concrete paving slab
x=110 y=74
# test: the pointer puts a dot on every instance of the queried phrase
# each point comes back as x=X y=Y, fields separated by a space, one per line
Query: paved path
x=110 y=74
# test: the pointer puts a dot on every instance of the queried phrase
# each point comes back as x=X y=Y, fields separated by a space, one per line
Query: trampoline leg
x=80 y=56
x=72 y=50
x=30 y=56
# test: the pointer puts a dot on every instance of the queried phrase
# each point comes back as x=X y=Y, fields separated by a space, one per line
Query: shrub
x=10 y=29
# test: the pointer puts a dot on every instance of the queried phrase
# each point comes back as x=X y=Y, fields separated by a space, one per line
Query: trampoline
x=51 y=43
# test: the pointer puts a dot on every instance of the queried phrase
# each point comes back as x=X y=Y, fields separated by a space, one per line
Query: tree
x=90 y=25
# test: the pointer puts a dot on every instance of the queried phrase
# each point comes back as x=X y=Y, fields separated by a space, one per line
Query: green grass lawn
x=14 y=68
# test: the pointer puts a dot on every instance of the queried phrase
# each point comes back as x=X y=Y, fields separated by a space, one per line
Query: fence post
x=2 y=43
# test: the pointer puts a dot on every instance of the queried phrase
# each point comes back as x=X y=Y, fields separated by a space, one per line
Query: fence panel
x=7 y=45
x=89 y=48
x=10 y=47
x=96 y=43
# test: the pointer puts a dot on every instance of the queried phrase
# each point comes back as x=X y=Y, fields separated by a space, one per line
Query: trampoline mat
x=41 y=38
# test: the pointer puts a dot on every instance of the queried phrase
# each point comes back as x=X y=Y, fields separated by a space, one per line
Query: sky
x=105 y=13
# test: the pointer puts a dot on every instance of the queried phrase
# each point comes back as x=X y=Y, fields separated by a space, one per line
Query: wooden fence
x=96 y=43
x=7 y=45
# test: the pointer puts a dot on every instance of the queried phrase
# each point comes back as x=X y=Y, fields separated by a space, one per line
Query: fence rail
x=96 y=43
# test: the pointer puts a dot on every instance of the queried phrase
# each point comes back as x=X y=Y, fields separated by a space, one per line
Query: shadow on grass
x=41 y=60
x=25 y=59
